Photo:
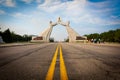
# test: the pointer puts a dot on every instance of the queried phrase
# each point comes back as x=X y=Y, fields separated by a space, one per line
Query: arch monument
x=45 y=35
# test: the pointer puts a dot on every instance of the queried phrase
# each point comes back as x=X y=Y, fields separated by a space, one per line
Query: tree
x=93 y=36
x=117 y=36
x=110 y=36
x=27 y=38
x=66 y=40
x=7 y=36
x=51 y=39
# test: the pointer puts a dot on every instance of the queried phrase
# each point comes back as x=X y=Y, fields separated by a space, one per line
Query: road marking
x=51 y=69
x=63 y=72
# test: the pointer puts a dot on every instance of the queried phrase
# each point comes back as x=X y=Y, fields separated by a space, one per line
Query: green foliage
x=117 y=35
x=110 y=36
x=9 y=37
x=51 y=39
x=93 y=36
x=66 y=40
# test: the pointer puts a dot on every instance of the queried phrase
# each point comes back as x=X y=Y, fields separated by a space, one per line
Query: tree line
x=9 y=37
x=110 y=36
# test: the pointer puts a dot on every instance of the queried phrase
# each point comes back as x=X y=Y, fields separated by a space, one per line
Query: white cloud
x=51 y=6
x=100 y=5
x=50 y=2
x=46 y=2
x=38 y=22
x=21 y=15
x=38 y=1
x=2 y=12
x=27 y=1
x=38 y=19
x=10 y=3
x=77 y=12
x=115 y=22
x=30 y=1
x=91 y=19
x=114 y=17
x=66 y=7
x=100 y=21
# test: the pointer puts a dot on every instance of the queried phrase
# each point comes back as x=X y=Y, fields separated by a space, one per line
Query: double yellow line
x=63 y=72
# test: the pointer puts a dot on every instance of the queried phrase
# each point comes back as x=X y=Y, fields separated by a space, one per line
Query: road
x=72 y=61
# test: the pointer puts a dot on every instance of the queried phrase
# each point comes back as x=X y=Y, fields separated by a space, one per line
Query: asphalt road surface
x=69 y=62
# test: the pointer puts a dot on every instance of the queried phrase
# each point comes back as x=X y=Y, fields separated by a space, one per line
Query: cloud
x=72 y=10
x=20 y=15
x=30 y=1
x=38 y=1
x=34 y=18
x=76 y=11
x=53 y=6
x=50 y=6
x=10 y=3
x=113 y=22
x=91 y=19
x=27 y=1
x=115 y=17
x=50 y=2
x=102 y=5
x=38 y=19
x=79 y=11
x=2 y=12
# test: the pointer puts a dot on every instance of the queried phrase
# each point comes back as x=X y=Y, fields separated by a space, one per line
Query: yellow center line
x=51 y=69
x=63 y=72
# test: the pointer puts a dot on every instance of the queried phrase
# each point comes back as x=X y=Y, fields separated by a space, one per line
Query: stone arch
x=45 y=35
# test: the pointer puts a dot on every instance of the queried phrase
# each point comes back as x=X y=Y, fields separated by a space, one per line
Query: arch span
x=45 y=35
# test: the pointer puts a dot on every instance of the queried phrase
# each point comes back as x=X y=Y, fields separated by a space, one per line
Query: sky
x=33 y=16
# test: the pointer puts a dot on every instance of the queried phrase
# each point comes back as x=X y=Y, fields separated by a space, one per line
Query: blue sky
x=85 y=16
